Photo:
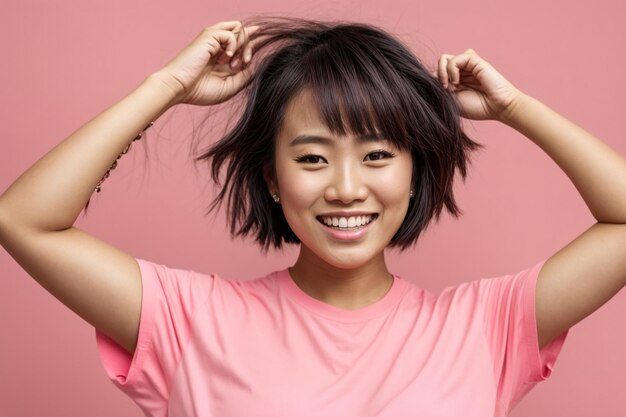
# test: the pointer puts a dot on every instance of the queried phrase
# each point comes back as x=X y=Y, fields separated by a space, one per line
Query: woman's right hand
x=213 y=67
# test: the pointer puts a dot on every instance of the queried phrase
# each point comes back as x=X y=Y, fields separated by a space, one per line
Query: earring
x=276 y=198
x=412 y=193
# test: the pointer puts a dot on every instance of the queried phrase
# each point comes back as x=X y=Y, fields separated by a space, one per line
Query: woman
x=347 y=145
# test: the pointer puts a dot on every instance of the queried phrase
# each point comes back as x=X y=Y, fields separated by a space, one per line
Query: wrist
x=512 y=111
x=170 y=86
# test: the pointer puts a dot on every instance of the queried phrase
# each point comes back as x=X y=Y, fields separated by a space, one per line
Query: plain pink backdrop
x=66 y=61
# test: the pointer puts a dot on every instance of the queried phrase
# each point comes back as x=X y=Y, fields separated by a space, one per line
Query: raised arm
x=97 y=281
x=590 y=270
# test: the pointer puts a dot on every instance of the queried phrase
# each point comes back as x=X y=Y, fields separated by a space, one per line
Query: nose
x=346 y=185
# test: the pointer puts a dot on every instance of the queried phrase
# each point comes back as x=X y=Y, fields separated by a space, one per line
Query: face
x=343 y=196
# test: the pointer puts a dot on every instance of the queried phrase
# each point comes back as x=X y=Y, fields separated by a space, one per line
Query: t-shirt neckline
x=295 y=293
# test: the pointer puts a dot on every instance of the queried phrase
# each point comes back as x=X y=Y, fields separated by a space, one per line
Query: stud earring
x=412 y=193
x=276 y=198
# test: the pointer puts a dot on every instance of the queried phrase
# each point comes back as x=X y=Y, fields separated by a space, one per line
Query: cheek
x=298 y=193
x=392 y=186
x=389 y=187
x=298 y=188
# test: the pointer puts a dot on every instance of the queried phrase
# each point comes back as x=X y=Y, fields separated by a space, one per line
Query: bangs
x=354 y=91
x=363 y=82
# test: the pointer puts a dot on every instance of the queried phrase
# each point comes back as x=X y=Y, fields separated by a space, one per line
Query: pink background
x=66 y=61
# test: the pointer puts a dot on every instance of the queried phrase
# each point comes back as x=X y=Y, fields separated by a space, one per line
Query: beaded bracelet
x=106 y=175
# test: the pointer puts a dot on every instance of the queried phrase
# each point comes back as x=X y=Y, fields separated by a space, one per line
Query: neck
x=344 y=288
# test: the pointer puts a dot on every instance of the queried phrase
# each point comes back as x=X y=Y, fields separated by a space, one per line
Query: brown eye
x=309 y=159
x=378 y=155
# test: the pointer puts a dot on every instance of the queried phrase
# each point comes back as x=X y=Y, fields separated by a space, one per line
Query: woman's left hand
x=482 y=92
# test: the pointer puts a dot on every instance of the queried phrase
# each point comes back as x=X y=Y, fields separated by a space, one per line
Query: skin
x=36 y=225
x=590 y=270
x=573 y=282
x=342 y=175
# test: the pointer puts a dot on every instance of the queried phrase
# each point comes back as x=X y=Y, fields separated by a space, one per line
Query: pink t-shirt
x=215 y=347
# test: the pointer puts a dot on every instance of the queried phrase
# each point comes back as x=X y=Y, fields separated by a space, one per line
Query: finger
x=249 y=30
x=249 y=44
x=226 y=39
x=237 y=57
x=442 y=69
x=244 y=47
x=244 y=44
x=456 y=63
x=228 y=25
x=245 y=41
x=250 y=49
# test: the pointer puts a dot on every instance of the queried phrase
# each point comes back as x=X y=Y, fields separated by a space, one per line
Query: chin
x=346 y=260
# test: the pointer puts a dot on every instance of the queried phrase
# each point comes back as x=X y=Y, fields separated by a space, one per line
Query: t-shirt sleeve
x=169 y=299
x=508 y=303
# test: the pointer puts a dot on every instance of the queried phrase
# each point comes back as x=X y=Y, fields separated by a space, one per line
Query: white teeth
x=347 y=222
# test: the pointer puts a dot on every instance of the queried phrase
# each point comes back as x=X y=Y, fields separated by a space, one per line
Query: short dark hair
x=363 y=80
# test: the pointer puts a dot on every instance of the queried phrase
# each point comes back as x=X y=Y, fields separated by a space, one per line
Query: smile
x=347 y=223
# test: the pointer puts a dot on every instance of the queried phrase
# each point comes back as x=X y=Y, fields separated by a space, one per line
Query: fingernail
x=229 y=53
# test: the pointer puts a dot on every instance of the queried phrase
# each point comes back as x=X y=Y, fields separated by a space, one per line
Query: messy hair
x=363 y=81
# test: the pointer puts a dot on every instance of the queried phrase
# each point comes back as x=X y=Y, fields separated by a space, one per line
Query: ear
x=269 y=175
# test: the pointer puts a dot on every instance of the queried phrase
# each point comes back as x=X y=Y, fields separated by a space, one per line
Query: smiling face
x=343 y=196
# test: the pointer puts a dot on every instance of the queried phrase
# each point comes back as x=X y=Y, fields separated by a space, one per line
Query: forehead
x=304 y=124
x=302 y=113
x=303 y=118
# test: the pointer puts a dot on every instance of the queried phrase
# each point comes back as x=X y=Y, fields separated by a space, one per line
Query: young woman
x=346 y=145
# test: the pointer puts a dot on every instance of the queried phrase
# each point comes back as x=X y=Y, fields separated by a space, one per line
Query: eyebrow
x=322 y=140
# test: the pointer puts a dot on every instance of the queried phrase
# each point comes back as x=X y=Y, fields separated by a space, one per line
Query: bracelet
x=106 y=175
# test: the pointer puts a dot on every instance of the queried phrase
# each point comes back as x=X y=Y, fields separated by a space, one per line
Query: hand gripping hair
x=364 y=80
